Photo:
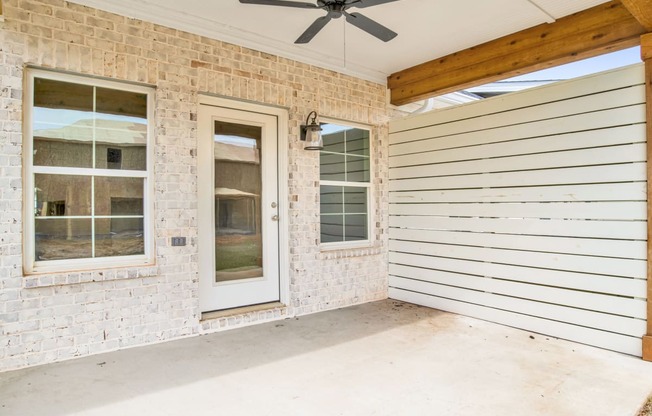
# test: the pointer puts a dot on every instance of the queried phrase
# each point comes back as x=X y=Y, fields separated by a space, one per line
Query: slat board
x=528 y=209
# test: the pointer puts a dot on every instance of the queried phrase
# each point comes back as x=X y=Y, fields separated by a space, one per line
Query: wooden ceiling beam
x=646 y=47
x=646 y=55
x=641 y=10
x=605 y=28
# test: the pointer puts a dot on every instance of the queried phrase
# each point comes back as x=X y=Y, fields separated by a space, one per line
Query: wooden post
x=646 y=55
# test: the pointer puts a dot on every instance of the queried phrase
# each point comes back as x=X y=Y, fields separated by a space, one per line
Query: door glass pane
x=238 y=186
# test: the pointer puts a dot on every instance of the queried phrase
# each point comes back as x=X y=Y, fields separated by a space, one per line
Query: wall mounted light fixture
x=311 y=133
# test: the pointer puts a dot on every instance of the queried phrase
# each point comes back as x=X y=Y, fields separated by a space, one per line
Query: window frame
x=343 y=245
x=30 y=264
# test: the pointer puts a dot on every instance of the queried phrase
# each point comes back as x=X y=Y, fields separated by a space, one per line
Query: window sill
x=340 y=252
x=88 y=276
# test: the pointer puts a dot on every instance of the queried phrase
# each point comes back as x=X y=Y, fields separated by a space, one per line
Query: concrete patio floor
x=382 y=358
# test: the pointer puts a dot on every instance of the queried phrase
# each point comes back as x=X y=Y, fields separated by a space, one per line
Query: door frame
x=282 y=118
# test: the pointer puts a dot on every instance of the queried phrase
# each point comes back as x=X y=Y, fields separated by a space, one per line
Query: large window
x=344 y=186
x=87 y=173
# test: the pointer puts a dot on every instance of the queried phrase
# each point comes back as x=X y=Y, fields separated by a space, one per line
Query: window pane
x=59 y=239
x=355 y=200
x=331 y=199
x=87 y=126
x=122 y=103
x=332 y=167
x=356 y=227
x=62 y=151
x=345 y=159
x=357 y=169
x=62 y=124
x=350 y=162
x=113 y=153
x=118 y=196
x=120 y=130
x=333 y=141
x=332 y=228
x=62 y=95
x=119 y=237
x=62 y=195
x=357 y=142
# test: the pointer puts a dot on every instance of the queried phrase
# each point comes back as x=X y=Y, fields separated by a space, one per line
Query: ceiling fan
x=335 y=9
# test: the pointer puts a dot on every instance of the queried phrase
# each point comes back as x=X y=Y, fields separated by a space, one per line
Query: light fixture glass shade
x=313 y=137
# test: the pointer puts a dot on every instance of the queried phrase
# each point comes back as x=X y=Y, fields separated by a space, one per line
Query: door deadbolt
x=274 y=204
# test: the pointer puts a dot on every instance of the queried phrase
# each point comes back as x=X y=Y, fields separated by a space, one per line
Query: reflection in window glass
x=343 y=213
x=344 y=189
x=355 y=227
x=357 y=168
x=331 y=200
x=62 y=239
x=72 y=122
x=332 y=228
x=332 y=167
x=109 y=190
x=89 y=213
x=70 y=191
x=62 y=124
x=238 y=186
x=119 y=237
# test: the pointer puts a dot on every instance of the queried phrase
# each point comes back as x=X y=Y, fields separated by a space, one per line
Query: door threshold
x=241 y=310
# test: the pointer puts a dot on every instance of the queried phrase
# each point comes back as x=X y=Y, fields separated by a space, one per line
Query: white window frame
x=30 y=264
x=343 y=245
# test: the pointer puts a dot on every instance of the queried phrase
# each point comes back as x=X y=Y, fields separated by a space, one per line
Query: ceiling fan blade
x=361 y=4
x=283 y=3
x=314 y=28
x=372 y=27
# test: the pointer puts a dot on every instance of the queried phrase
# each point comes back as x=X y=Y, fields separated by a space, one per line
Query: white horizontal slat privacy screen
x=528 y=210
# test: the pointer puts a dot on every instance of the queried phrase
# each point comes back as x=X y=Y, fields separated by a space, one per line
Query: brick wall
x=47 y=318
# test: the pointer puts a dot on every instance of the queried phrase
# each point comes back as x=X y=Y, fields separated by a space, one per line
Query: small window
x=87 y=173
x=113 y=158
x=344 y=186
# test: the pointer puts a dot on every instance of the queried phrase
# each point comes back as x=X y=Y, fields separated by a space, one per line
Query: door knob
x=275 y=218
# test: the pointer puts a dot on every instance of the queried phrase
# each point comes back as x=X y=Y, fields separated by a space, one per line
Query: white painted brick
x=58 y=316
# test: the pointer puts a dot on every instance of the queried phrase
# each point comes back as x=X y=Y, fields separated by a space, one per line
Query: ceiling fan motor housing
x=334 y=8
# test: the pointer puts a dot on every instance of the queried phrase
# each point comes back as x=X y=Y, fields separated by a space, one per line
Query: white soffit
x=561 y=8
x=427 y=29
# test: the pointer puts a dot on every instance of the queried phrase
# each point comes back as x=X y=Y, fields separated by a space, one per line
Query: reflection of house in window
x=53 y=209
x=126 y=207
x=235 y=211
x=237 y=179
x=113 y=158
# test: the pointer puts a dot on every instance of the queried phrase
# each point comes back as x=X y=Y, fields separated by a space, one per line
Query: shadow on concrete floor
x=382 y=358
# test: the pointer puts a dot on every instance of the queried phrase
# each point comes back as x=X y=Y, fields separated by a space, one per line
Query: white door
x=238 y=208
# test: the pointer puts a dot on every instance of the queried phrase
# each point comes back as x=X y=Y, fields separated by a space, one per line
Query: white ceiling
x=427 y=29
